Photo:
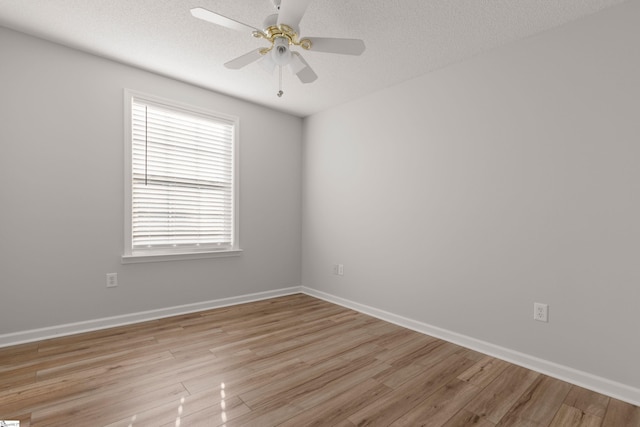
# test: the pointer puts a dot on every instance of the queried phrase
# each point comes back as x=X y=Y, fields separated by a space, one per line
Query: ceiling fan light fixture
x=280 y=52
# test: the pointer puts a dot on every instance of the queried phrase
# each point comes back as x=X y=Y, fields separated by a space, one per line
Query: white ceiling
x=404 y=39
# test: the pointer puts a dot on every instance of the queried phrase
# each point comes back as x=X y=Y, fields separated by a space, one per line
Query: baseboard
x=583 y=379
x=580 y=378
x=127 y=319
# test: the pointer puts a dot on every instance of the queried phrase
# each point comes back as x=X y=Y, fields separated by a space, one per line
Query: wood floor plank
x=484 y=371
x=465 y=418
x=441 y=406
x=14 y=380
x=587 y=401
x=292 y=361
x=439 y=353
x=39 y=361
x=187 y=411
x=338 y=408
x=392 y=406
x=271 y=393
x=90 y=412
x=539 y=404
x=10 y=356
x=261 y=417
x=55 y=390
x=500 y=395
x=316 y=378
x=473 y=355
x=425 y=357
x=330 y=349
x=363 y=349
x=394 y=338
x=423 y=344
x=365 y=368
x=89 y=361
x=244 y=379
x=621 y=414
x=394 y=376
x=569 y=416
x=102 y=339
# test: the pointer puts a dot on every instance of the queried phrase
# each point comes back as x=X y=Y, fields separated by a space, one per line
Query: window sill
x=141 y=258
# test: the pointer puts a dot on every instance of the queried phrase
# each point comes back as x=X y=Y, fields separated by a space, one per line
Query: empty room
x=330 y=213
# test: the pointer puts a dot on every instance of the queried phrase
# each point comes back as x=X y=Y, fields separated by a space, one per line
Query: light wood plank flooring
x=290 y=361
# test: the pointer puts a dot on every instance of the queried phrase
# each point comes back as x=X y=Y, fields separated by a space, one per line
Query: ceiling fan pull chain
x=280 y=92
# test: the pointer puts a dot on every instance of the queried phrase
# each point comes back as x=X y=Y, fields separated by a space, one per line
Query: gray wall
x=61 y=192
x=462 y=197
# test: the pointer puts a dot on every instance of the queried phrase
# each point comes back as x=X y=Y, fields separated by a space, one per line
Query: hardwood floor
x=290 y=361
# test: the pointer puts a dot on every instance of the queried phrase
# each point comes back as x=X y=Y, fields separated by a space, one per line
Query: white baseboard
x=583 y=379
x=580 y=378
x=127 y=319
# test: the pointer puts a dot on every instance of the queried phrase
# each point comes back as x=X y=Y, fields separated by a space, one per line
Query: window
x=180 y=181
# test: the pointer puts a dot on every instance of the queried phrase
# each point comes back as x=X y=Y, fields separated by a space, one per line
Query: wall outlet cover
x=112 y=280
x=540 y=312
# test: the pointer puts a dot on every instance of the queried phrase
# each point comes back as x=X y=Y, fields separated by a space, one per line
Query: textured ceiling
x=404 y=39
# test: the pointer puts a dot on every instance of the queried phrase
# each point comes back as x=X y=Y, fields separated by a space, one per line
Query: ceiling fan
x=282 y=30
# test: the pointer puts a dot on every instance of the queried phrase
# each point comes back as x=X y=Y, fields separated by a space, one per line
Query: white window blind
x=182 y=179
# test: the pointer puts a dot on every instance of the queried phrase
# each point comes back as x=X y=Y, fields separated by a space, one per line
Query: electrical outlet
x=112 y=280
x=335 y=269
x=340 y=269
x=540 y=312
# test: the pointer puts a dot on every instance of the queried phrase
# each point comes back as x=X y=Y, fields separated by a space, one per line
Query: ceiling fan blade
x=291 y=12
x=216 y=18
x=244 y=60
x=301 y=69
x=331 y=45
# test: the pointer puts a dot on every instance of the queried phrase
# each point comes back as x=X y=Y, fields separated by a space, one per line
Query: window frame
x=167 y=254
